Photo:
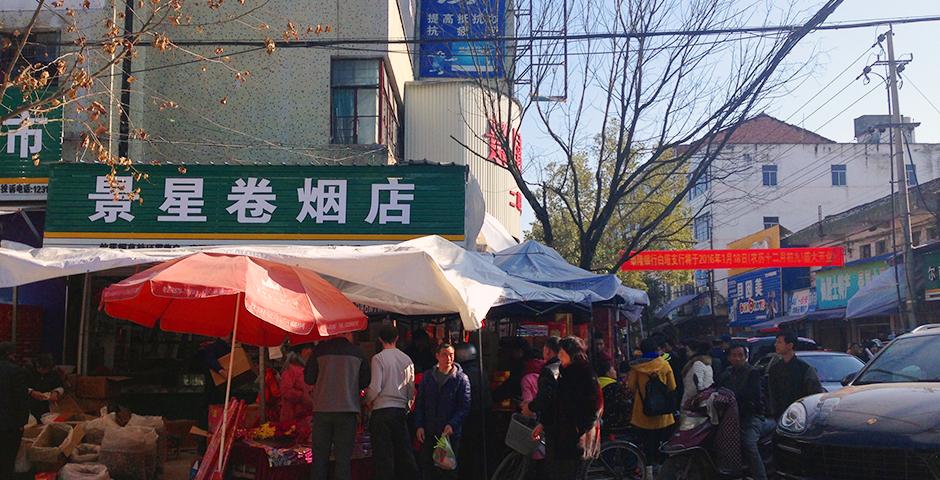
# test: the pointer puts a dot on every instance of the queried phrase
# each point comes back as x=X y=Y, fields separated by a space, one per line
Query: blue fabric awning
x=536 y=263
x=879 y=296
x=829 y=314
x=675 y=304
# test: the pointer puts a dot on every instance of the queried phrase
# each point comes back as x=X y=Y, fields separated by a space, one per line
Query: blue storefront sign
x=755 y=296
x=459 y=38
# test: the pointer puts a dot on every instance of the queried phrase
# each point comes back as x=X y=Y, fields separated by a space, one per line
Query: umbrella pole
x=262 y=360
x=228 y=383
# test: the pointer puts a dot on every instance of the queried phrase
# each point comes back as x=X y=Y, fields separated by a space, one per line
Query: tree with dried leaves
x=653 y=92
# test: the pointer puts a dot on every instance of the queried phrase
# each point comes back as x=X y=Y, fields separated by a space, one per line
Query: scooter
x=690 y=452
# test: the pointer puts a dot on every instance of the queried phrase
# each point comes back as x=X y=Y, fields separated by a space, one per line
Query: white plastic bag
x=74 y=471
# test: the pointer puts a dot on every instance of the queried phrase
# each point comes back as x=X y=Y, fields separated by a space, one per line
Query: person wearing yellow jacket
x=651 y=430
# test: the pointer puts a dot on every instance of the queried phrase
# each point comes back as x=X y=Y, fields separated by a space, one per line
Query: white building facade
x=773 y=173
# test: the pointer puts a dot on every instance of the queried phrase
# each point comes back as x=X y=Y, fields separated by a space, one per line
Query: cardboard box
x=92 y=406
x=241 y=366
x=98 y=387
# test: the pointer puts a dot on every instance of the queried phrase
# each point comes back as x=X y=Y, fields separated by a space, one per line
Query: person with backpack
x=654 y=388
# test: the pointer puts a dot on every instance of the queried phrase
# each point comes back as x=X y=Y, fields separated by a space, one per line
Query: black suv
x=884 y=425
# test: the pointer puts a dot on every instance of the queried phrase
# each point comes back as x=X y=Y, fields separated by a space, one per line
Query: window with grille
x=364 y=107
x=702 y=227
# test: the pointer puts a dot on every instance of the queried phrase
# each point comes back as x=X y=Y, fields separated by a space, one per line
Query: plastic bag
x=94 y=429
x=22 y=463
x=73 y=471
x=444 y=457
x=85 y=453
x=130 y=452
x=47 y=449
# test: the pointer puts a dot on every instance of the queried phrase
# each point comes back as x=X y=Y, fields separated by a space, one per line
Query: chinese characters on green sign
x=31 y=142
x=836 y=286
x=209 y=205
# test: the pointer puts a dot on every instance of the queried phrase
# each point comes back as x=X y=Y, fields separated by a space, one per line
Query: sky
x=828 y=99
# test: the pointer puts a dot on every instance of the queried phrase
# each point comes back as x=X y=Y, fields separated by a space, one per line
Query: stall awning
x=879 y=296
x=675 y=304
x=536 y=263
x=425 y=276
x=830 y=314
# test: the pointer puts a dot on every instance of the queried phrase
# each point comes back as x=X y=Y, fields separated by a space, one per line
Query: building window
x=838 y=175
x=915 y=237
x=364 y=108
x=702 y=227
x=771 y=221
x=769 y=174
x=865 y=251
x=881 y=247
x=700 y=187
x=40 y=49
x=910 y=171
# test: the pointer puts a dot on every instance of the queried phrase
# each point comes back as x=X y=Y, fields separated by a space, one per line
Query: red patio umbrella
x=254 y=301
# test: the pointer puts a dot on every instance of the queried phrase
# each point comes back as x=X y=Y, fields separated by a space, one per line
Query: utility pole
x=903 y=198
x=124 y=126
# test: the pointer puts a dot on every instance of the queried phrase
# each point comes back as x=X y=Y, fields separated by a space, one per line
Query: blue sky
x=818 y=107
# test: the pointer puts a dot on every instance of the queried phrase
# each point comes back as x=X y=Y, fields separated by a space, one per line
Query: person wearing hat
x=14 y=408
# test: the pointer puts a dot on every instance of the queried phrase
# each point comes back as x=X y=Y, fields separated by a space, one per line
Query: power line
x=546 y=37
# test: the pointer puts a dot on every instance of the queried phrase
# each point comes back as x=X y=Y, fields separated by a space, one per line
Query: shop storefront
x=835 y=287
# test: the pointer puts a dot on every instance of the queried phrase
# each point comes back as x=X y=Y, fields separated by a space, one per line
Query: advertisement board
x=30 y=143
x=461 y=38
x=836 y=286
x=755 y=296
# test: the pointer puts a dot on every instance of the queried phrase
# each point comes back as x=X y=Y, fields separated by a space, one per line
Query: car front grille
x=850 y=463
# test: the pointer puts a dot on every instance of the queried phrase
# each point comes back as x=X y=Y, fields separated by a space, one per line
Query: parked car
x=759 y=347
x=884 y=424
x=832 y=367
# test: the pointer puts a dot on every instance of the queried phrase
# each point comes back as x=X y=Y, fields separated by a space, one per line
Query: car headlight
x=794 y=419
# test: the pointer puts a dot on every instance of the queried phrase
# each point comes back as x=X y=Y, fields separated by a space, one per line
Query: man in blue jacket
x=442 y=405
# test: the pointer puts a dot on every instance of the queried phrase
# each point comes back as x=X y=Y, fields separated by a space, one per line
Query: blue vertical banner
x=457 y=38
x=755 y=296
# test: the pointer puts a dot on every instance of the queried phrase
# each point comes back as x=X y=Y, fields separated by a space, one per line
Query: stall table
x=259 y=461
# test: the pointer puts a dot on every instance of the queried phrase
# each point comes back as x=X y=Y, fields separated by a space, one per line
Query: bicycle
x=617 y=460
x=515 y=464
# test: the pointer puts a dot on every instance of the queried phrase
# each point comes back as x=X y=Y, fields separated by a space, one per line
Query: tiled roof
x=764 y=129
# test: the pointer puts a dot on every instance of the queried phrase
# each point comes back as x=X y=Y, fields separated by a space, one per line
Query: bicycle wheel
x=617 y=460
x=513 y=467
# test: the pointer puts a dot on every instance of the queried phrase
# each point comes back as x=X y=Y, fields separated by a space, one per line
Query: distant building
x=774 y=173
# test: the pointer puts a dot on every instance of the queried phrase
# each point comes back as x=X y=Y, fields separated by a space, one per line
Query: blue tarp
x=536 y=263
x=674 y=304
x=879 y=296
x=828 y=314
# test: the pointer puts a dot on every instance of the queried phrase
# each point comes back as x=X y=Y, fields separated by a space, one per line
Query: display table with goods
x=281 y=451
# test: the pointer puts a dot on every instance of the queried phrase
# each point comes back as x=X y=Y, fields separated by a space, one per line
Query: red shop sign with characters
x=735 y=259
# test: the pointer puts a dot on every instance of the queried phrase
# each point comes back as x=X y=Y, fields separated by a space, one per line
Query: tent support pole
x=482 y=407
x=228 y=384
x=262 y=366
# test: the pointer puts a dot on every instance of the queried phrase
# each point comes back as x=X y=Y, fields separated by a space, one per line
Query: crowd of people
x=702 y=366
x=427 y=392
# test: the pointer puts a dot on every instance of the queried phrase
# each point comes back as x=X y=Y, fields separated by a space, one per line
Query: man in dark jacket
x=442 y=405
x=13 y=408
x=338 y=372
x=744 y=380
x=789 y=378
x=45 y=387
x=548 y=379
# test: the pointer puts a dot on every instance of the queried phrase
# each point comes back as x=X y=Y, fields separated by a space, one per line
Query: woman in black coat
x=570 y=425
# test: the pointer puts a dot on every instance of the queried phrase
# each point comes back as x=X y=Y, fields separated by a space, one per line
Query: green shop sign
x=227 y=204
x=836 y=286
x=931 y=266
x=31 y=142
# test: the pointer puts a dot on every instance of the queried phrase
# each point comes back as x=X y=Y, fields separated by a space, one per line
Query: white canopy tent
x=425 y=276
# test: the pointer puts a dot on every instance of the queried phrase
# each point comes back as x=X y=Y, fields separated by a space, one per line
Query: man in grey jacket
x=338 y=372
x=391 y=395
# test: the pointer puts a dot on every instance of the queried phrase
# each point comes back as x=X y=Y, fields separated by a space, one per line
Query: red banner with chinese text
x=722 y=259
